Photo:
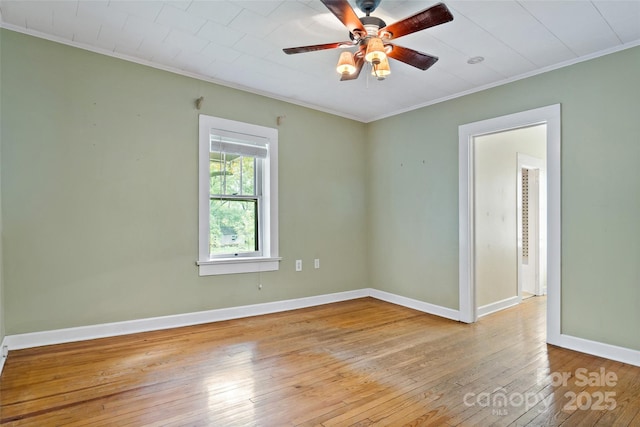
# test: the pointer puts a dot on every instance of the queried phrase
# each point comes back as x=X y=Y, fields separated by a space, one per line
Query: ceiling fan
x=372 y=36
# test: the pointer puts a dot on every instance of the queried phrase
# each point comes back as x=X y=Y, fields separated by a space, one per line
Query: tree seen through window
x=233 y=204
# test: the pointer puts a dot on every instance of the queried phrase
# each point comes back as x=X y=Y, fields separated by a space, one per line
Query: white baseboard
x=498 y=305
x=82 y=333
x=3 y=357
x=425 y=307
x=595 y=348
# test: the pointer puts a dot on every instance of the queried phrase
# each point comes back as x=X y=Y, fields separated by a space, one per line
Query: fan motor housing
x=373 y=21
x=372 y=25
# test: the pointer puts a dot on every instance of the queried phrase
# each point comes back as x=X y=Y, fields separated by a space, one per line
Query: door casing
x=551 y=116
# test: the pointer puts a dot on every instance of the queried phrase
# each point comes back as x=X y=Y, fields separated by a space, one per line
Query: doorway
x=550 y=116
x=531 y=226
x=505 y=258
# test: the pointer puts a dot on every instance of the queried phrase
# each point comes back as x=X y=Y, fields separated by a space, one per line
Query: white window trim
x=269 y=260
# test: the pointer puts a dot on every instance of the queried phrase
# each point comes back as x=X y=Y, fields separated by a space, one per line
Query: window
x=238 y=197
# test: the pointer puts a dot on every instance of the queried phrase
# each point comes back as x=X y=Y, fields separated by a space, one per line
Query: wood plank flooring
x=355 y=363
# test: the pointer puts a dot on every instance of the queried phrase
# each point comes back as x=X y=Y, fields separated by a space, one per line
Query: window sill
x=237 y=265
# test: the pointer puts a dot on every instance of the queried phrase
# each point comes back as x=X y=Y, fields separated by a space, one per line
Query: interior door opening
x=532 y=226
x=503 y=264
x=468 y=135
x=528 y=241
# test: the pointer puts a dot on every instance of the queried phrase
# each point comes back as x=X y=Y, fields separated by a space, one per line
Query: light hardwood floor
x=354 y=363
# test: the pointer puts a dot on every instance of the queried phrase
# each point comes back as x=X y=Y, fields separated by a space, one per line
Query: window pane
x=234 y=174
x=231 y=174
x=248 y=176
x=233 y=226
x=216 y=172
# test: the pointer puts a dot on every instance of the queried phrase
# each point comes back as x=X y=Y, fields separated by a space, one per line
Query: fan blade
x=359 y=63
x=430 y=17
x=345 y=13
x=412 y=57
x=312 y=48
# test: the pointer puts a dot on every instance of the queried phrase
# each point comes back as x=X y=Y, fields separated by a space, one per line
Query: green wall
x=413 y=193
x=99 y=192
x=99 y=187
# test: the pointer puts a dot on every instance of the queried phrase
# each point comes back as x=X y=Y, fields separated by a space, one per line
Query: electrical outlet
x=298 y=265
x=316 y=263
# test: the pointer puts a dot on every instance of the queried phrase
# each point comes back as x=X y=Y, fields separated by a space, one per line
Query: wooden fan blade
x=412 y=57
x=345 y=13
x=359 y=60
x=430 y=17
x=312 y=48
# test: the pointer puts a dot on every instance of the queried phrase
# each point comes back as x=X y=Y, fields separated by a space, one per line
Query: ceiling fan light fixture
x=375 y=40
x=346 y=64
x=381 y=70
x=375 y=51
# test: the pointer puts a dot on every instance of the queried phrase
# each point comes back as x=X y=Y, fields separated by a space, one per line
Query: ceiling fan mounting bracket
x=367 y=6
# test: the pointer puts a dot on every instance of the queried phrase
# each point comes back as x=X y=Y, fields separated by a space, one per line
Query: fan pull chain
x=367 y=73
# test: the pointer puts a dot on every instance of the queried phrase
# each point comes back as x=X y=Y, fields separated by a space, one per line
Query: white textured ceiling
x=239 y=43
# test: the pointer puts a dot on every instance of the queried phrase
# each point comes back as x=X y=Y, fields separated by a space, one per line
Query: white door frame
x=550 y=116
